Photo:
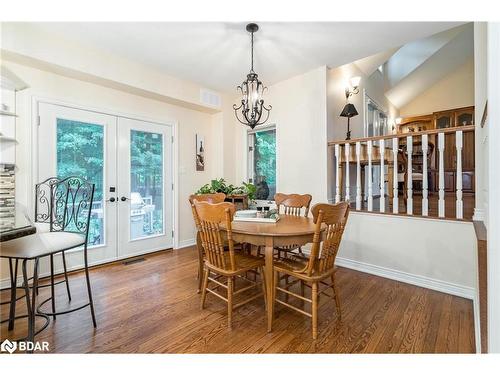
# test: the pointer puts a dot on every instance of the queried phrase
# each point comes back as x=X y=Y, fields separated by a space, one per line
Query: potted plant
x=244 y=192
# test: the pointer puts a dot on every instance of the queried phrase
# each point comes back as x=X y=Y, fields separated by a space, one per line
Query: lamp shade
x=349 y=111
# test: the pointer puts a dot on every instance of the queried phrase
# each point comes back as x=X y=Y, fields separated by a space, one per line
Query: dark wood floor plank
x=153 y=307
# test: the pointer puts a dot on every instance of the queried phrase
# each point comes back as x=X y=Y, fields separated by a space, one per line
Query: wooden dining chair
x=292 y=204
x=211 y=198
x=221 y=263
x=319 y=269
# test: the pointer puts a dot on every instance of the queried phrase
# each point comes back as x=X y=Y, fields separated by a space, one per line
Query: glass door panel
x=145 y=206
x=80 y=152
x=146 y=184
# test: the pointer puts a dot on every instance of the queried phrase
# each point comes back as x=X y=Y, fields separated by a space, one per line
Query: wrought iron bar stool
x=42 y=222
x=69 y=220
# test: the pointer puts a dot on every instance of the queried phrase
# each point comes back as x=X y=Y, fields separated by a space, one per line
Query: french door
x=144 y=183
x=130 y=163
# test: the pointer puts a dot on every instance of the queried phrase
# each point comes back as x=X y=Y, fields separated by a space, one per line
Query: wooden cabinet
x=464 y=116
x=416 y=124
x=449 y=181
x=442 y=120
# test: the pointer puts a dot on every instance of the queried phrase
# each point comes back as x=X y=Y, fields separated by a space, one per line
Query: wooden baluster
x=370 y=189
x=382 y=175
x=358 y=176
x=395 y=202
x=425 y=200
x=347 y=150
x=409 y=201
x=441 y=174
x=459 y=203
x=337 y=173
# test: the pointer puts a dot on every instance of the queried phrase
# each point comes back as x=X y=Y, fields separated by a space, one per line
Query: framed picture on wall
x=200 y=152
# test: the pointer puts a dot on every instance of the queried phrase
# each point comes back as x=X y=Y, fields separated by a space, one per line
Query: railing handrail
x=464 y=128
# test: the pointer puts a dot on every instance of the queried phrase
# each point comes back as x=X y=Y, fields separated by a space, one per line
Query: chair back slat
x=323 y=253
x=43 y=199
x=211 y=198
x=71 y=205
x=293 y=204
x=208 y=217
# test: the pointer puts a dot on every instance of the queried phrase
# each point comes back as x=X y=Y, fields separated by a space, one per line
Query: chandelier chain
x=251 y=70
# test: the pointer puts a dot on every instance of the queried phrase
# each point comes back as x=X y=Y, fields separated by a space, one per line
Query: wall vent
x=210 y=98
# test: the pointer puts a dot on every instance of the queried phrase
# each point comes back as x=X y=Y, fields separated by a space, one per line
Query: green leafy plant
x=220 y=186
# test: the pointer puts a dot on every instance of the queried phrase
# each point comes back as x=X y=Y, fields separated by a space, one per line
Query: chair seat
x=40 y=244
x=243 y=262
x=293 y=266
x=42 y=227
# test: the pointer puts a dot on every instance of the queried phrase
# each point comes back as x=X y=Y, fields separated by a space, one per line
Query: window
x=262 y=161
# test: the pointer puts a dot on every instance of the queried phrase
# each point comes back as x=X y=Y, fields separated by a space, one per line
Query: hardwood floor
x=152 y=306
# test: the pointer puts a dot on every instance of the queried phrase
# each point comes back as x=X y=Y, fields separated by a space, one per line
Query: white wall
x=494 y=183
x=432 y=253
x=481 y=134
x=375 y=87
x=299 y=112
x=453 y=91
x=52 y=86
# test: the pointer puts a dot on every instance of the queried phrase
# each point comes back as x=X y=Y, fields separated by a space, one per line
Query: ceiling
x=217 y=55
x=426 y=62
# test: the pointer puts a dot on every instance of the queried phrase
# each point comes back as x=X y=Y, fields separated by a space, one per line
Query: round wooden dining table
x=289 y=230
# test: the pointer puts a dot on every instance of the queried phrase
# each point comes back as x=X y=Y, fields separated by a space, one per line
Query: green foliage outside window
x=265 y=156
x=80 y=153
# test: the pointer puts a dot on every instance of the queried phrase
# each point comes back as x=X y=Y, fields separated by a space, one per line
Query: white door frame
x=33 y=173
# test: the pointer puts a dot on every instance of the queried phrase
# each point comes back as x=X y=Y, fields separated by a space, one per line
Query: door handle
x=123 y=199
x=112 y=199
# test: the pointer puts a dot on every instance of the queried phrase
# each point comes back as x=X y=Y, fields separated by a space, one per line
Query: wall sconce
x=354 y=88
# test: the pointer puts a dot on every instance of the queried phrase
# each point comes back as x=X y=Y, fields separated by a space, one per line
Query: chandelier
x=250 y=111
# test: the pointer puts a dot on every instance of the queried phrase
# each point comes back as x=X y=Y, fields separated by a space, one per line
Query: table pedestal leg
x=268 y=269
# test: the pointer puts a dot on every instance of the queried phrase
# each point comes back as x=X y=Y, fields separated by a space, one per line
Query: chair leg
x=52 y=291
x=89 y=290
x=302 y=291
x=287 y=280
x=314 y=310
x=204 y=288
x=13 y=293
x=66 y=275
x=263 y=282
x=30 y=304
x=337 y=298
x=200 y=261
x=230 y=290
x=273 y=302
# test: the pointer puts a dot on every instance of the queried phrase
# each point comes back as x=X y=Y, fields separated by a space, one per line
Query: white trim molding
x=185 y=243
x=408 y=278
x=478 y=214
